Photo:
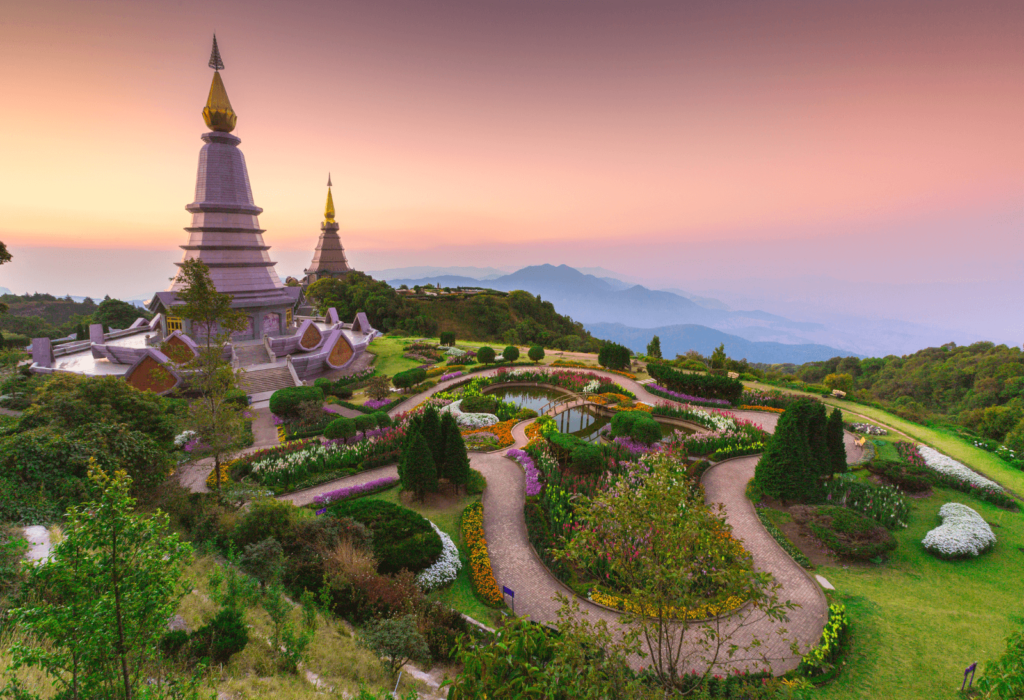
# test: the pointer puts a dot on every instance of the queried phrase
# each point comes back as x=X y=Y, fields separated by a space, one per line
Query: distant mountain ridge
x=678 y=339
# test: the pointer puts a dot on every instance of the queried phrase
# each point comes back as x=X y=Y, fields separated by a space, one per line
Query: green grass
x=981 y=461
x=918 y=621
x=459 y=594
x=389 y=353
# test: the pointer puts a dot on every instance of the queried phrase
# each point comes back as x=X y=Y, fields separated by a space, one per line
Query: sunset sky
x=675 y=141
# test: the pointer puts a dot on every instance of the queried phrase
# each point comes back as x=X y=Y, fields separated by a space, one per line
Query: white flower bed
x=453 y=351
x=963 y=533
x=947 y=465
x=469 y=420
x=445 y=569
x=180 y=440
x=591 y=386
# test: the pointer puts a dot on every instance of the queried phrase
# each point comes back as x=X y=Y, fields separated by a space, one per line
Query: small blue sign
x=508 y=591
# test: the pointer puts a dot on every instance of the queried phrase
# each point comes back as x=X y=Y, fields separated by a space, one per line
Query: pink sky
x=590 y=133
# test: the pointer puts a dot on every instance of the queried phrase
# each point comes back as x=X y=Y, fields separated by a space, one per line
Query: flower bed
x=566 y=363
x=480 y=572
x=739 y=450
x=686 y=398
x=502 y=431
x=819 y=659
x=868 y=429
x=469 y=420
x=768 y=399
x=377 y=404
x=884 y=504
x=703 y=612
x=765 y=409
x=939 y=462
x=345 y=492
x=450 y=375
x=445 y=569
x=963 y=533
x=532 y=475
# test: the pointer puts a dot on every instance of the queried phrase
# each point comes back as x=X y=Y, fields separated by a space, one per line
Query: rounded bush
x=623 y=422
x=511 y=353
x=408 y=378
x=485 y=355
x=365 y=422
x=588 y=459
x=382 y=418
x=525 y=414
x=645 y=430
x=536 y=353
x=402 y=539
x=340 y=429
x=285 y=402
x=479 y=404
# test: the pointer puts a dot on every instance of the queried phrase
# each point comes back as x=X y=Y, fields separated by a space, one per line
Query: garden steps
x=270 y=379
x=249 y=355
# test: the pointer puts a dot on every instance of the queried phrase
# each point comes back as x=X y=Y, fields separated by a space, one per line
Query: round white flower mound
x=445 y=569
x=469 y=420
x=947 y=465
x=963 y=533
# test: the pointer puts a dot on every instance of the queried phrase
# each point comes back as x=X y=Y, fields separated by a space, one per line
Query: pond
x=533 y=397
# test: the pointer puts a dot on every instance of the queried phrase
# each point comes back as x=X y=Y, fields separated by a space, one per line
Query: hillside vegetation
x=45 y=316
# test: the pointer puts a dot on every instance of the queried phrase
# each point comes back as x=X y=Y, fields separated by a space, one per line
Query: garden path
x=307 y=496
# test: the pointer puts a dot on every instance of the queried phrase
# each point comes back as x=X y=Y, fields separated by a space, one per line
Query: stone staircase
x=268 y=379
x=249 y=355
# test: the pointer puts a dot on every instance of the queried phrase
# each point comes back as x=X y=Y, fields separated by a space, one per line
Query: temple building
x=225 y=232
x=329 y=257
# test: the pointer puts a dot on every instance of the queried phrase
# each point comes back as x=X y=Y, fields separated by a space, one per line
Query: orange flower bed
x=480 y=572
x=502 y=430
x=766 y=409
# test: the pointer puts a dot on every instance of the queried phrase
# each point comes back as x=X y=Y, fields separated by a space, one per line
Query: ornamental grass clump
x=963 y=533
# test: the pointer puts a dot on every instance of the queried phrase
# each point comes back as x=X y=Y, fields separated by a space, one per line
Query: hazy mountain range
x=608 y=298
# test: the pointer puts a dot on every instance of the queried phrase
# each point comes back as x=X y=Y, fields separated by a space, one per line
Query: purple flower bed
x=685 y=398
x=532 y=475
x=375 y=404
x=359 y=490
x=636 y=448
x=452 y=375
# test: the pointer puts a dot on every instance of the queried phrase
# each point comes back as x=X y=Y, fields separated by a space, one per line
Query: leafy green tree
x=613 y=356
x=420 y=473
x=1015 y=439
x=536 y=353
x=288 y=643
x=395 y=641
x=355 y=292
x=654 y=539
x=719 y=358
x=842 y=382
x=114 y=313
x=654 y=348
x=379 y=387
x=103 y=599
x=486 y=355
x=511 y=353
x=213 y=415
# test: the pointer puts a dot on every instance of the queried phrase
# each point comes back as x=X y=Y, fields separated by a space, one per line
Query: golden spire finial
x=329 y=209
x=218 y=114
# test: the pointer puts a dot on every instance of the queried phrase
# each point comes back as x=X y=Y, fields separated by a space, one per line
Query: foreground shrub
x=402 y=539
x=340 y=429
x=1004 y=677
x=963 y=533
x=220 y=638
x=285 y=402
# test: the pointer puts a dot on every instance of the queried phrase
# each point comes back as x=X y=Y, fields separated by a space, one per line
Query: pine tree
x=782 y=471
x=836 y=443
x=654 y=348
x=420 y=470
x=818 y=446
x=412 y=428
x=432 y=432
x=456 y=460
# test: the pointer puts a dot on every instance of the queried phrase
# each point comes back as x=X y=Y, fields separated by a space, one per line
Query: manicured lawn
x=460 y=594
x=918 y=621
x=983 y=462
x=389 y=356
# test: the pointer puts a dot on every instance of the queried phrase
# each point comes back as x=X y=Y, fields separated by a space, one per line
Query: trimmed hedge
x=340 y=429
x=402 y=539
x=613 y=356
x=705 y=385
x=409 y=378
x=285 y=402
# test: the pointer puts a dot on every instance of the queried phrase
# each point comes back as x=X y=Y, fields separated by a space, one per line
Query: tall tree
x=102 y=600
x=455 y=466
x=214 y=415
x=420 y=469
x=654 y=348
x=836 y=442
x=719 y=358
x=5 y=257
x=431 y=429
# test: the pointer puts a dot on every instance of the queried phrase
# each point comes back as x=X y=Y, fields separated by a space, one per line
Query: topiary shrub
x=340 y=429
x=479 y=404
x=525 y=414
x=402 y=539
x=613 y=356
x=448 y=338
x=382 y=418
x=536 y=353
x=485 y=355
x=409 y=378
x=285 y=402
x=365 y=422
x=510 y=353
x=623 y=422
x=588 y=459
x=646 y=430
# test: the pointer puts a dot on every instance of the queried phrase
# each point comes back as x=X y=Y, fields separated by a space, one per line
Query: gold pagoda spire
x=218 y=114
x=329 y=209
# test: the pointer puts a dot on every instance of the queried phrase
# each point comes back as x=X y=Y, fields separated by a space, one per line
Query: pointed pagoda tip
x=215 y=61
x=328 y=179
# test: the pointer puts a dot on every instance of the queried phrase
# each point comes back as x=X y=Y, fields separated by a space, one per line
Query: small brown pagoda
x=329 y=257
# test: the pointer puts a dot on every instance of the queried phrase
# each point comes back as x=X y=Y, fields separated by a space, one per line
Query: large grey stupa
x=225 y=232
